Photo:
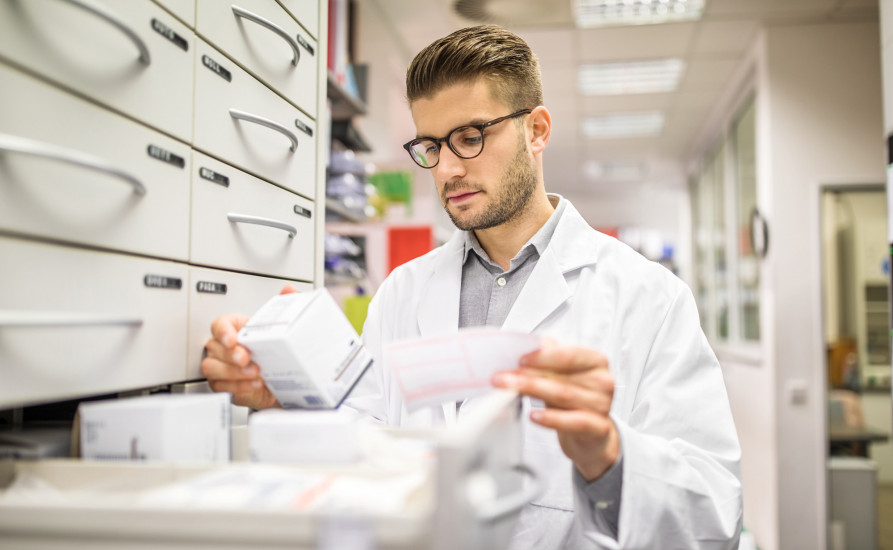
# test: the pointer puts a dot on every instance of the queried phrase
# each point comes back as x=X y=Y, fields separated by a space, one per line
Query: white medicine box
x=309 y=354
x=168 y=427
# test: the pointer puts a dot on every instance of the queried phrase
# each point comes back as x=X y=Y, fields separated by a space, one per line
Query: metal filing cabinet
x=158 y=168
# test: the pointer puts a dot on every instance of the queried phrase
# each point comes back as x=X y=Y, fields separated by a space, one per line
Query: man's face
x=492 y=188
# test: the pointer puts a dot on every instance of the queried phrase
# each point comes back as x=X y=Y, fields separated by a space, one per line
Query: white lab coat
x=681 y=458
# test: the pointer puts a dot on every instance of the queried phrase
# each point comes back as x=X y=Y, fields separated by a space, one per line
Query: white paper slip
x=431 y=371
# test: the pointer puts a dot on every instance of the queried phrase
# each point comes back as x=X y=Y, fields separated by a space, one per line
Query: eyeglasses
x=466 y=142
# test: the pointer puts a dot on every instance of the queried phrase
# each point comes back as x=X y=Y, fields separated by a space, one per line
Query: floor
x=885 y=516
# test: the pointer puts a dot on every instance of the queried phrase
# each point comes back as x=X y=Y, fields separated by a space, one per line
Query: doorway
x=856 y=315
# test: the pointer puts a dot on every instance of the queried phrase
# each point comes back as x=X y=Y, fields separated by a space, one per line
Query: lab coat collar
x=573 y=245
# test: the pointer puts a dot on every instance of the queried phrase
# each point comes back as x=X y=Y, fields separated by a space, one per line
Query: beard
x=509 y=200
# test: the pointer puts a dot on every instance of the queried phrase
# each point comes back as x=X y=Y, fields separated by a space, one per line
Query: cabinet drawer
x=144 y=67
x=264 y=39
x=212 y=293
x=184 y=10
x=76 y=323
x=307 y=14
x=279 y=144
x=119 y=185
x=248 y=224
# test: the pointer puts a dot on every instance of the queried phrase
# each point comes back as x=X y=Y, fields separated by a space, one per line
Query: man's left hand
x=577 y=388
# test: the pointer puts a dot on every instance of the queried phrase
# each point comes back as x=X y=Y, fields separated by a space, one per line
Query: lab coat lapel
x=439 y=304
x=543 y=292
x=573 y=245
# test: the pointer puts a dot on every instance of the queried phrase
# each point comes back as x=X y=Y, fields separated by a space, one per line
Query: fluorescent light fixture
x=636 y=77
x=613 y=171
x=601 y=13
x=621 y=125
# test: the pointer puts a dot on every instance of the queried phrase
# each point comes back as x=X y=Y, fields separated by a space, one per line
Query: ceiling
x=713 y=48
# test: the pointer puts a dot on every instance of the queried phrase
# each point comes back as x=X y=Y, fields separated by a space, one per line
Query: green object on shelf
x=393 y=186
x=355 y=309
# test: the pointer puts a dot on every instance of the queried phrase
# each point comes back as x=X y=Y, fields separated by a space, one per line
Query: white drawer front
x=285 y=155
x=266 y=41
x=212 y=293
x=118 y=185
x=75 y=322
x=85 y=52
x=183 y=9
x=228 y=228
x=307 y=13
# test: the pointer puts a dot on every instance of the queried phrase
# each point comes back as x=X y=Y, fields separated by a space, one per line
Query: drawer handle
x=240 y=12
x=115 y=21
x=50 y=319
x=248 y=117
x=25 y=146
x=243 y=218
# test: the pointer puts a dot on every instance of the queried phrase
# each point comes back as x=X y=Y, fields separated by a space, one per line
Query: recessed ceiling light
x=621 y=125
x=600 y=13
x=613 y=171
x=637 y=77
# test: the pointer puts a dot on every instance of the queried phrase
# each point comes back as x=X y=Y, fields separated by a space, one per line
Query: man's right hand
x=228 y=366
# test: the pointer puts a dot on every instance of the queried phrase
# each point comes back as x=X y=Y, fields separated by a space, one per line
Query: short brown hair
x=485 y=51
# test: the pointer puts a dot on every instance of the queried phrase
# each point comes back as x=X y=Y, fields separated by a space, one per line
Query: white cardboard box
x=309 y=354
x=170 y=427
x=303 y=436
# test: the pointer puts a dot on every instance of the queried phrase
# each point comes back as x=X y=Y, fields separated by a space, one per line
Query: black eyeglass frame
x=440 y=141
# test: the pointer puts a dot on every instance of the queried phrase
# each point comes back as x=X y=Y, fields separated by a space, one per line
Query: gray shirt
x=486 y=297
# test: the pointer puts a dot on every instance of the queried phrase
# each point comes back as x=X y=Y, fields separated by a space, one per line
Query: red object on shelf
x=407 y=243
x=609 y=231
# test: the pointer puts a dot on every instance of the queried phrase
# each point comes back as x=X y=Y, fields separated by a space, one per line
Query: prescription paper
x=431 y=371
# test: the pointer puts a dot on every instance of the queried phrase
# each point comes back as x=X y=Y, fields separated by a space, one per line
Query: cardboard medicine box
x=309 y=354
x=168 y=427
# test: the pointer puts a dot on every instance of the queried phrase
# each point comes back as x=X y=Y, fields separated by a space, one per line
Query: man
x=646 y=454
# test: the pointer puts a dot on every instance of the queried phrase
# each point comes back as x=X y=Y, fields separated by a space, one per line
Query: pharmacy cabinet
x=307 y=14
x=243 y=122
x=214 y=292
x=184 y=10
x=120 y=185
x=144 y=170
x=131 y=55
x=243 y=223
x=266 y=41
x=80 y=322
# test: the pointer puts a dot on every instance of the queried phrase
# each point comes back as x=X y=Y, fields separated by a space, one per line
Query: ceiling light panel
x=622 y=125
x=613 y=171
x=638 y=77
x=601 y=13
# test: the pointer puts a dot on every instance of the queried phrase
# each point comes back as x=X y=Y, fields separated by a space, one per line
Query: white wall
x=819 y=121
x=825 y=123
x=751 y=383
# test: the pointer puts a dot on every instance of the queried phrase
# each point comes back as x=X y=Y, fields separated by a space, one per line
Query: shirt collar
x=537 y=243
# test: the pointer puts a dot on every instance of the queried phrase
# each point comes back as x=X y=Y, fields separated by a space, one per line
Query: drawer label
x=208 y=287
x=304 y=128
x=160 y=281
x=302 y=41
x=169 y=33
x=163 y=155
x=301 y=211
x=217 y=68
x=211 y=175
